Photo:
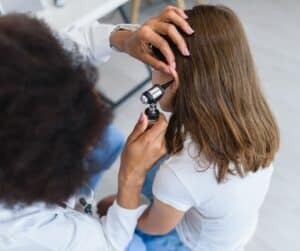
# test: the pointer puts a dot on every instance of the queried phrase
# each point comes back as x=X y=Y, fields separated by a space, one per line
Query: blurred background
x=273 y=31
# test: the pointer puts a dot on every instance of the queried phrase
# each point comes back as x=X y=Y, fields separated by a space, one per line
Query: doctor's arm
x=97 y=38
x=143 y=148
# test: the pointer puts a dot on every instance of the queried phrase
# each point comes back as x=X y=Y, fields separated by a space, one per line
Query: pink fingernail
x=173 y=65
x=190 y=30
x=141 y=119
x=186 y=52
x=167 y=71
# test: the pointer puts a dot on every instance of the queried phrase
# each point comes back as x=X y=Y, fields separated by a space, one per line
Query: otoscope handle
x=152 y=113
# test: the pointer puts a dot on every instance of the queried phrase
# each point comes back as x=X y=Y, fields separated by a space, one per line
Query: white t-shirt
x=218 y=217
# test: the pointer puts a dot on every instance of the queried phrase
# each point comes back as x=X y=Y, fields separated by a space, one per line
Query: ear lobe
x=174 y=74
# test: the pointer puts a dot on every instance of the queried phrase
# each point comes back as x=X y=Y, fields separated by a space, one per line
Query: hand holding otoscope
x=151 y=97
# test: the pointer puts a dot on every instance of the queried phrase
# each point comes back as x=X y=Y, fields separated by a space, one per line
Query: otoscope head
x=154 y=94
x=151 y=97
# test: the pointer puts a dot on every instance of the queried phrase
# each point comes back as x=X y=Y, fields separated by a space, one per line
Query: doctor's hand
x=151 y=32
x=143 y=148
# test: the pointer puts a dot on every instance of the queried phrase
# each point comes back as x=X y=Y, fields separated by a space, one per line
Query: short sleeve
x=168 y=189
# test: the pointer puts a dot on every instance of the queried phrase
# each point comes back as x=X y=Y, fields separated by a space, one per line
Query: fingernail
x=166 y=70
x=186 y=52
x=141 y=119
x=173 y=65
x=190 y=30
x=185 y=16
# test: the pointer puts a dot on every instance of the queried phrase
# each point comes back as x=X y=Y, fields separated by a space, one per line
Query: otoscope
x=151 y=97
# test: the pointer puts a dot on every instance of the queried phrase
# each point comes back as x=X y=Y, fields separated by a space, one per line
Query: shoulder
x=187 y=174
x=190 y=165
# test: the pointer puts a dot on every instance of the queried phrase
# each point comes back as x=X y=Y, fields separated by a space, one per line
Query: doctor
x=51 y=117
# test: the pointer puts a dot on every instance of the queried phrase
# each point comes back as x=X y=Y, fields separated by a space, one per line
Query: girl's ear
x=175 y=84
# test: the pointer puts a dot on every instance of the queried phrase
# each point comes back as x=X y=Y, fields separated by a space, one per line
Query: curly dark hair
x=50 y=114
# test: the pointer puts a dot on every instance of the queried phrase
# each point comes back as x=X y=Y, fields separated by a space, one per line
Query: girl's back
x=217 y=217
x=222 y=139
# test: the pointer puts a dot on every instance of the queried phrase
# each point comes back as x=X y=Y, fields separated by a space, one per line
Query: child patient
x=222 y=139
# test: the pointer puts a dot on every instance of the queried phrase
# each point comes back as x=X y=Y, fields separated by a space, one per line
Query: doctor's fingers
x=170 y=31
x=176 y=16
x=139 y=129
x=149 y=36
x=156 y=63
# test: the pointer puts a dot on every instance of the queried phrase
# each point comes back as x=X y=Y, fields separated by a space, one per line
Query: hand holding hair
x=151 y=33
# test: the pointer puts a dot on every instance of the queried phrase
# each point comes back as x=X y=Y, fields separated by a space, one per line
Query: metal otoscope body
x=151 y=97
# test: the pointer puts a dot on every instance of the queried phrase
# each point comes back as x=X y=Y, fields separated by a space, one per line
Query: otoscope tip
x=166 y=85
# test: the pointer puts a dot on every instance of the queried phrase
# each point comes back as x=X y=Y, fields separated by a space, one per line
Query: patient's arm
x=159 y=219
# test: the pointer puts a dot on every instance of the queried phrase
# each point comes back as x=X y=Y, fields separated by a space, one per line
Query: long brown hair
x=219 y=102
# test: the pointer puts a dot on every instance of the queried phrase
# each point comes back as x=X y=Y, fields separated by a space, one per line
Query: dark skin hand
x=143 y=148
x=136 y=44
